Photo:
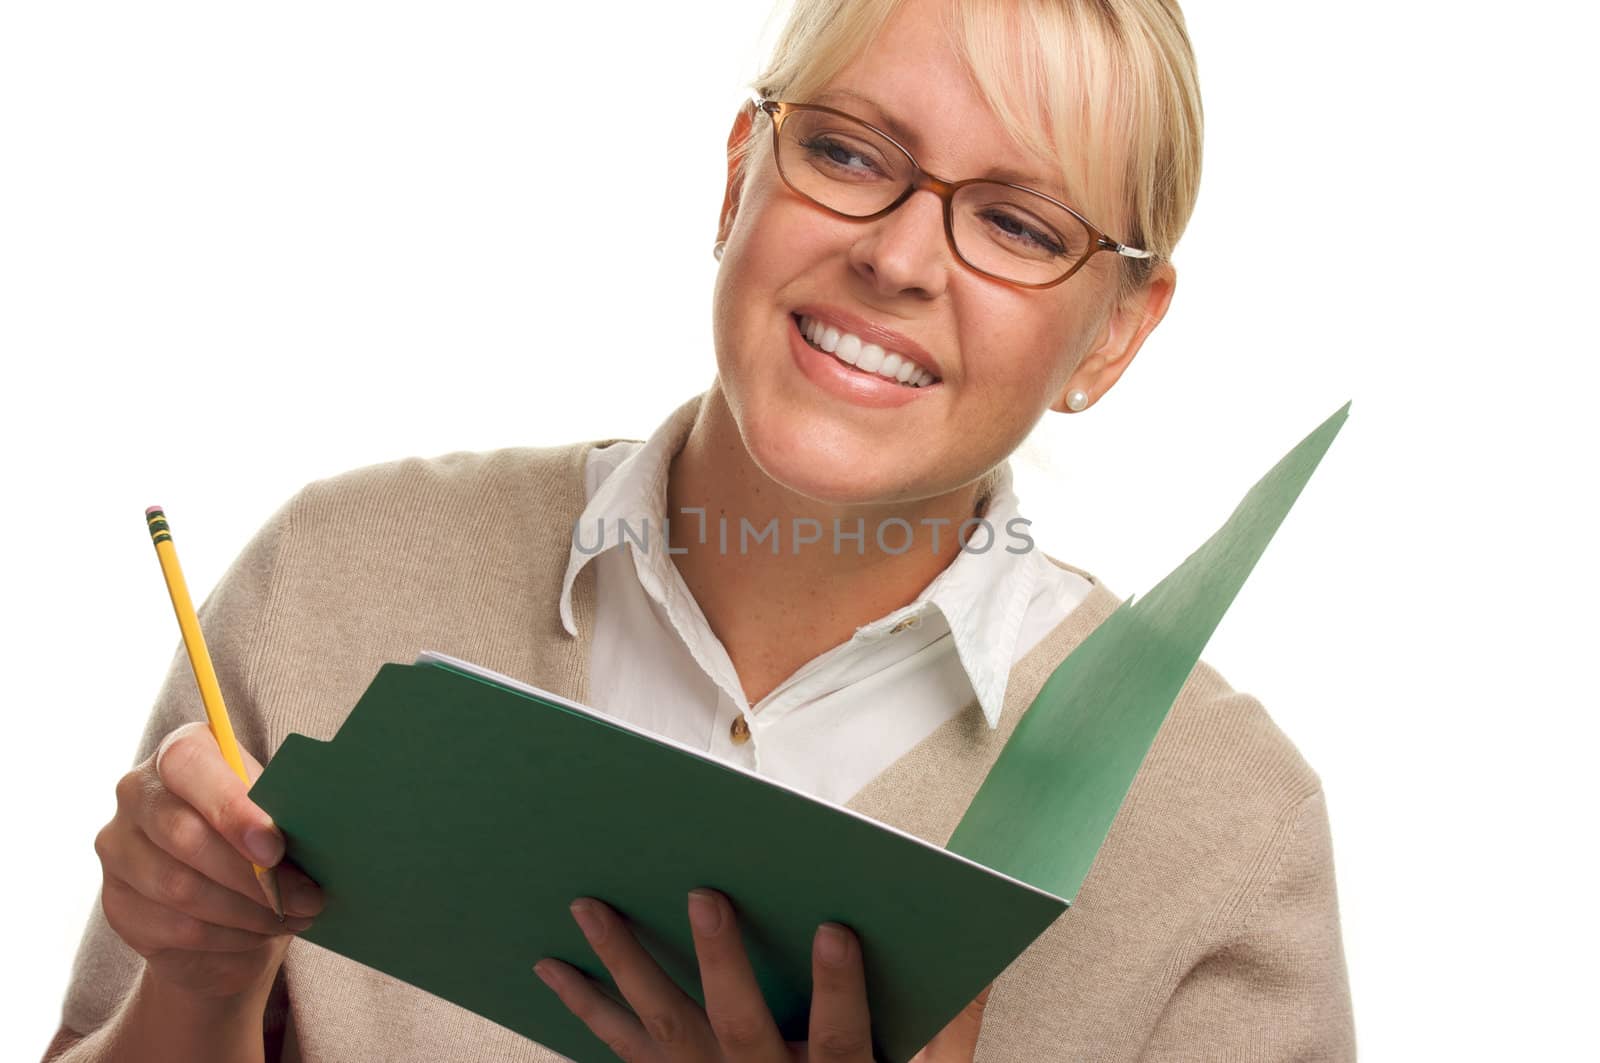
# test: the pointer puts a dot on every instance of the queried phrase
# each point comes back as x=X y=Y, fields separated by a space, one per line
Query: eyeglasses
x=995 y=228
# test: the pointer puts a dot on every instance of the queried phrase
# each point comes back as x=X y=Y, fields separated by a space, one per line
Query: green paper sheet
x=457 y=813
x=1073 y=756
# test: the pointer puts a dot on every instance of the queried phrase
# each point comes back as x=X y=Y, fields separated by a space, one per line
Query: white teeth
x=868 y=357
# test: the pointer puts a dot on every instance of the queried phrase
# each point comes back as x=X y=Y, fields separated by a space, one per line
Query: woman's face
x=1002 y=354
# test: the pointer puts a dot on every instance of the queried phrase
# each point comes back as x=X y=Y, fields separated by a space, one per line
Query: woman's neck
x=776 y=607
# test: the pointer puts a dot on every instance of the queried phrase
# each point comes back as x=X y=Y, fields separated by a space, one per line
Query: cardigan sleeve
x=1273 y=986
x=234 y=618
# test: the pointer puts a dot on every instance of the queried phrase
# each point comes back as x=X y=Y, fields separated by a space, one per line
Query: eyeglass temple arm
x=1122 y=249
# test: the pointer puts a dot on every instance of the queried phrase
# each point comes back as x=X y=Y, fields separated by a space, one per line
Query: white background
x=243 y=247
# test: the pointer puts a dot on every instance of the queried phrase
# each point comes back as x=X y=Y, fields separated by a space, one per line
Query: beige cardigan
x=1207 y=929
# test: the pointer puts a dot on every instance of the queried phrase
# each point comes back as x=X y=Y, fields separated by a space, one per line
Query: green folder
x=457 y=813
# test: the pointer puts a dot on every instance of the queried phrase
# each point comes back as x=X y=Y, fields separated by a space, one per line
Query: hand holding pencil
x=179 y=886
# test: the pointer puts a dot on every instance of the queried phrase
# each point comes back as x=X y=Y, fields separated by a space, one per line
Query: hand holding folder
x=404 y=818
x=839 y=1011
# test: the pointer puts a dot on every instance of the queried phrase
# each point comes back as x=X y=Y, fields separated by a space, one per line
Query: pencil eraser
x=151 y=510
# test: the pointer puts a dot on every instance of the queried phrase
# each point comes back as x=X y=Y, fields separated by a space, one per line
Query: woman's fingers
x=150 y=927
x=200 y=890
x=301 y=896
x=735 y=1008
x=190 y=765
x=614 y=1024
x=736 y=1025
x=673 y=1021
x=207 y=961
x=841 y=1028
x=198 y=810
x=177 y=886
x=179 y=830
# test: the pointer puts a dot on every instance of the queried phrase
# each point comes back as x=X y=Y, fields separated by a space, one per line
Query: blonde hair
x=1116 y=74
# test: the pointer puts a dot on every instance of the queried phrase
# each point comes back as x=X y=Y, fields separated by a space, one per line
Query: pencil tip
x=269 y=885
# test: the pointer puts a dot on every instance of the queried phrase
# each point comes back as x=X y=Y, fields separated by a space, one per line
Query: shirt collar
x=635 y=494
x=982 y=594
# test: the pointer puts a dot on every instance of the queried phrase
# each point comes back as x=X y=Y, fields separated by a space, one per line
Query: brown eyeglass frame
x=779 y=112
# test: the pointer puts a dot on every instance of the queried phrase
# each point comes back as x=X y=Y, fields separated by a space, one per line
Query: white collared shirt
x=848 y=713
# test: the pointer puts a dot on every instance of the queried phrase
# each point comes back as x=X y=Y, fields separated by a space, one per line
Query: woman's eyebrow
x=881 y=116
x=1049 y=186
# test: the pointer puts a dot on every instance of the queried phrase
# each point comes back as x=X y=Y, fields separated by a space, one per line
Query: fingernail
x=589 y=921
x=295 y=925
x=704 y=912
x=264 y=845
x=832 y=945
x=546 y=972
x=304 y=899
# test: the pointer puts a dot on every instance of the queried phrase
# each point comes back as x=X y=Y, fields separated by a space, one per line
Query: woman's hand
x=178 y=884
x=735 y=1026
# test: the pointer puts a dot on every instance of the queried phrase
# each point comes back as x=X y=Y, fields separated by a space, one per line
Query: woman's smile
x=855 y=351
x=865 y=381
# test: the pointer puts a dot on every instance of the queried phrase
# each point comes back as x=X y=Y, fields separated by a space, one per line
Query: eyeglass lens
x=1008 y=232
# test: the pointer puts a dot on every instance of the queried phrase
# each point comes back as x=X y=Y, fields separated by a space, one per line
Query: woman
x=885 y=339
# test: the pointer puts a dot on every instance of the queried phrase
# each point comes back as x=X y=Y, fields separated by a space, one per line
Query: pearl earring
x=1077 y=400
x=717 y=248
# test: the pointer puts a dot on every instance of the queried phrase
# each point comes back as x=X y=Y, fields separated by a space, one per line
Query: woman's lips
x=862 y=354
x=846 y=382
x=871 y=332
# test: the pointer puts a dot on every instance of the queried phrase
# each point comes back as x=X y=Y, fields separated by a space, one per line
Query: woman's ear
x=738 y=137
x=1124 y=332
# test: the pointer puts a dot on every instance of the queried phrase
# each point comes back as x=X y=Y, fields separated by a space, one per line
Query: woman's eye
x=838 y=156
x=1017 y=230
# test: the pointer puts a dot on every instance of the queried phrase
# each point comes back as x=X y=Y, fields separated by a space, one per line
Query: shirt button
x=908 y=622
x=740 y=731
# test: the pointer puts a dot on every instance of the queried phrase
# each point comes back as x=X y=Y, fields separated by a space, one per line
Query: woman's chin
x=829 y=469
x=837 y=455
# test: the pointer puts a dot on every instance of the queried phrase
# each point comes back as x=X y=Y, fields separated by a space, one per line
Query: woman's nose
x=905 y=251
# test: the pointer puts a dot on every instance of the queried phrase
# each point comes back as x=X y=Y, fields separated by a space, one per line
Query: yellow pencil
x=204 y=674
